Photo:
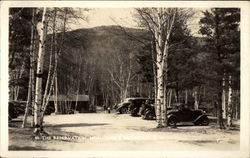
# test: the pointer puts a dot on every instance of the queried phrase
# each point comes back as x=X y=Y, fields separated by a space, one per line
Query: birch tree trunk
x=160 y=23
x=40 y=61
x=51 y=71
x=55 y=94
x=59 y=105
x=223 y=99
x=196 y=106
x=159 y=98
x=229 y=114
x=28 y=103
x=170 y=98
x=32 y=65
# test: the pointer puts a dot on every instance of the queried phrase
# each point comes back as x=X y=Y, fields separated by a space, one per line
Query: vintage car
x=149 y=113
x=198 y=117
x=130 y=104
x=181 y=114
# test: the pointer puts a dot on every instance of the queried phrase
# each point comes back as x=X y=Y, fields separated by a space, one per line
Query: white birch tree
x=39 y=74
x=160 y=22
x=229 y=108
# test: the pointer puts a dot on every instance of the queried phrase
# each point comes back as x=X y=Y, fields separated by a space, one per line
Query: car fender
x=123 y=105
x=172 y=116
x=149 y=111
x=200 y=117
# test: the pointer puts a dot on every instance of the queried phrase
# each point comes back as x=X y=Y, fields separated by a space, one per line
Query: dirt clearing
x=102 y=131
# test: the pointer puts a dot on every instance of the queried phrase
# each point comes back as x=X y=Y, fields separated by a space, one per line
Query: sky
x=107 y=16
x=111 y=16
x=124 y=17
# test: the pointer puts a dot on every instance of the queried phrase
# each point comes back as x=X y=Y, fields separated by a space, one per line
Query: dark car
x=130 y=104
x=184 y=114
x=149 y=113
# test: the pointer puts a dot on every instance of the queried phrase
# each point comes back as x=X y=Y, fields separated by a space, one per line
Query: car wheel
x=172 y=122
x=143 y=117
x=205 y=122
x=197 y=123
x=123 y=110
x=149 y=116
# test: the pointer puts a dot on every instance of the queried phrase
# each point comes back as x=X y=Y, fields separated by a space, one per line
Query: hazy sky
x=123 y=17
x=108 y=16
x=112 y=16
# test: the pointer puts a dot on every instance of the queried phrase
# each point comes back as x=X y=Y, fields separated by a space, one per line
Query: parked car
x=130 y=104
x=149 y=113
x=184 y=114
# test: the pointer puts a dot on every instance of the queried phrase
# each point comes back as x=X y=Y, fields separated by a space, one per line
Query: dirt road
x=102 y=131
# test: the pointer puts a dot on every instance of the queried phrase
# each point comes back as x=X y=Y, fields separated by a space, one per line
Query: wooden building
x=65 y=104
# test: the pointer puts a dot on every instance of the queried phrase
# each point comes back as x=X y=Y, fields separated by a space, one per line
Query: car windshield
x=127 y=100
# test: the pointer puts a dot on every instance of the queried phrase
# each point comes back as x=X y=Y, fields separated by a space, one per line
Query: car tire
x=149 y=115
x=143 y=117
x=197 y=123
x=123 y=110
x=172 y=122
x=205 y=122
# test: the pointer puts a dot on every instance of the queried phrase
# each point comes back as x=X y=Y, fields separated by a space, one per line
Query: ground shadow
x=185 y=125
x=16 y=120
x=76 y=125
x=14 y=147
x=197 y=142
x=23 y=138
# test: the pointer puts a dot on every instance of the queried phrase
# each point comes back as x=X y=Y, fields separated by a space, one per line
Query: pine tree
x=221 y=28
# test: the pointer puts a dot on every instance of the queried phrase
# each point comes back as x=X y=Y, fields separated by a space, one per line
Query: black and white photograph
x=130 y=79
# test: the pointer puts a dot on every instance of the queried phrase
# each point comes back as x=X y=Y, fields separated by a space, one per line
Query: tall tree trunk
x=40 y=61
x=160 y=23
x=28 y=103
x=160 y=95
x=196 y=106
x=223 y=97
x=220 y=80
x=56 y=105
x=161 y=91
x=186 y=96
x=230 y=92
x=177 y=93
x=170 y=97
x=50 y=73
x=33 y=82
x=153 y=51
x=220 y=122
x=30 y=97
x=165 y=96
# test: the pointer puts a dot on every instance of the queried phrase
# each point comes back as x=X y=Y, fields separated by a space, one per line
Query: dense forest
x=111 y=63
